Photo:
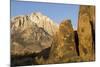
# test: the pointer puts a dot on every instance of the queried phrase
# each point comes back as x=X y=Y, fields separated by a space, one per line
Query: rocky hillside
x=31 y=33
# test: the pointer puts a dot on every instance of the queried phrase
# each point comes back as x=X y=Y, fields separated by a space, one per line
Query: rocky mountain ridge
x=41 y=20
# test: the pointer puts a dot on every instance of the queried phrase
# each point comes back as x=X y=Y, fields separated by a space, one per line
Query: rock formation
x=63 y=48
x=86 y=27
x=30 y=38
x=43 y=21
x=65 y=43
x=36 y=39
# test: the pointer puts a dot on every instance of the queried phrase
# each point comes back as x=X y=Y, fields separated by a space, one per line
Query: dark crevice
x=76 y=42
x=93 y=34
x=20 y=23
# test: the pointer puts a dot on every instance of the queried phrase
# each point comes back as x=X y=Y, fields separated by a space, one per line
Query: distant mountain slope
x=31 y=33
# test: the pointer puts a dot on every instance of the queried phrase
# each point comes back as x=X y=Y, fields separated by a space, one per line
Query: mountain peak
x=39 y=19
x=44 y=22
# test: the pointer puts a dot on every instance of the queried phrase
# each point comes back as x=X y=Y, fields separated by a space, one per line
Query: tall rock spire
x=86 y=32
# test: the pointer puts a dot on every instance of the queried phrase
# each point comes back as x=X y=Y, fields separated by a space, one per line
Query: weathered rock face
x=64 y=46
x=86 y=27
x=90 y=10
x=43 y=21
x=28 y=36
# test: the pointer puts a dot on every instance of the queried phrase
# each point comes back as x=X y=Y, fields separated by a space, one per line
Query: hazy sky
x=57 y=12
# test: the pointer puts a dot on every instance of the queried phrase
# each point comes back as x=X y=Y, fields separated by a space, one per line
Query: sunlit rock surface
x=86 y=32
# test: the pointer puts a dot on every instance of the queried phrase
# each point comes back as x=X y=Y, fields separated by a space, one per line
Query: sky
x=57 y=12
